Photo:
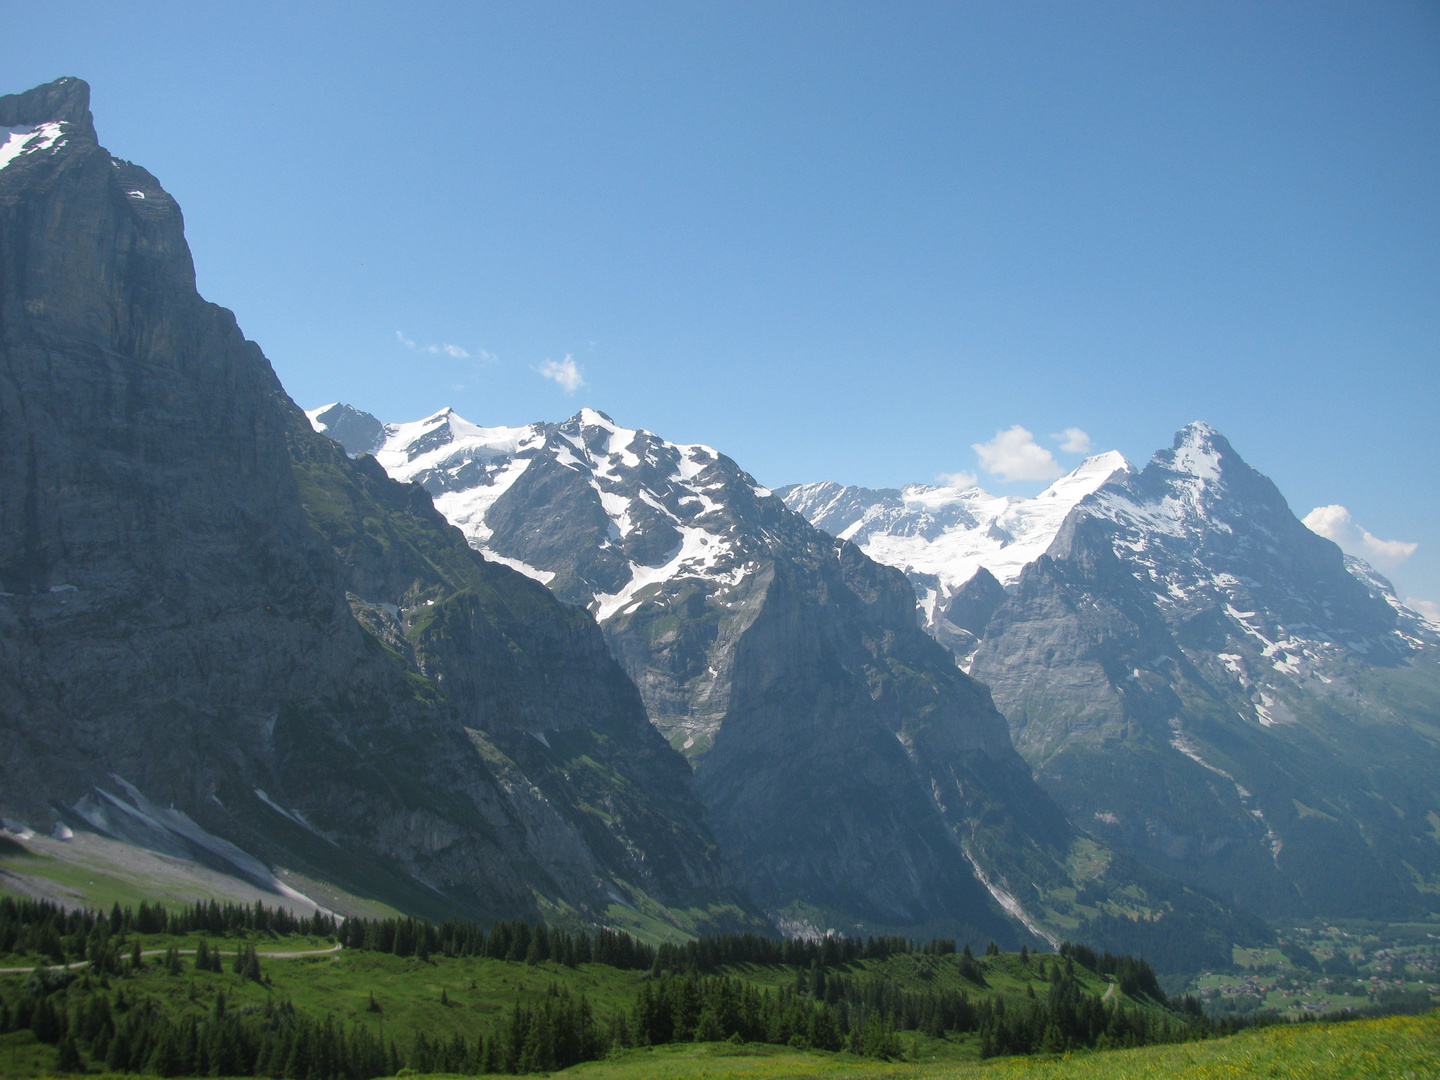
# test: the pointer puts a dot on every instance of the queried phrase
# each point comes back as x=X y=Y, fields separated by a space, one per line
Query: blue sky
x=844 y=241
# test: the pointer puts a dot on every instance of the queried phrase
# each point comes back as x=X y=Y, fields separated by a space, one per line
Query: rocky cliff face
x=857 y=777
x=1203 y=680
x=205 y=605
x=753 y=639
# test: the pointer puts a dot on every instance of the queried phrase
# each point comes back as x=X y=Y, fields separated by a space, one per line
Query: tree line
x=507 y=939
x=517 y=940
x=45 y=928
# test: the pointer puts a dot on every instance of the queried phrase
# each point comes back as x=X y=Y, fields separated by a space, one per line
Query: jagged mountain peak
x=1202 y=488
x=594 y=418
x=652 y=510
x=64 y=101
x=1204 y=529
x=1085 y=477
x=358 y=432
x=1202 y=434
x=1185 y=619
x=1199 y=451
x=41 y=121
x=38 y=123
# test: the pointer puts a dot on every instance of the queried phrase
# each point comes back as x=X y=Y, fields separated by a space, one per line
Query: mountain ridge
x=1186 y=623
x=787 y=665
x=942 y=537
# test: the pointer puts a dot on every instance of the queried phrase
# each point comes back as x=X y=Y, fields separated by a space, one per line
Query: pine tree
x=47 y=1023
x=69 y=1057
x=117 y=1054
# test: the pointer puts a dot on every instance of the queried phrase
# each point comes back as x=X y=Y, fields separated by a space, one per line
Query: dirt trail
x=183 y=952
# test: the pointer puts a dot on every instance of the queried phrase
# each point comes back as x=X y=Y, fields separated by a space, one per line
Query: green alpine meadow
x=233 y=990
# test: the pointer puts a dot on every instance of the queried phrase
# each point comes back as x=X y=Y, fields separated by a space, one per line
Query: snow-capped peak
x=464 y=466
x=1199 y=451
x=1198 y=486
x=589 y=417
x=315 y=416
x=1087 y=477
x=940 y=536
x=1213 y=542
x=1197 y=432
x=626 y=509
x=358 y=432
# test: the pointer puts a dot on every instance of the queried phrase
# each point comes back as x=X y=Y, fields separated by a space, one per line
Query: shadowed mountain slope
x=221 y=634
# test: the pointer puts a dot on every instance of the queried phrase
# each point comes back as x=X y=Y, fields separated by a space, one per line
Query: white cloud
x=1335 y=523
x=1073 y=441
x=444 y=348
x=564 y=372
x=1428 y=608
x=1015 y=455
x=960 y=480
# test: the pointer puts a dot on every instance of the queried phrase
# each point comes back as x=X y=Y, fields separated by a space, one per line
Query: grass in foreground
x=1391 y=1048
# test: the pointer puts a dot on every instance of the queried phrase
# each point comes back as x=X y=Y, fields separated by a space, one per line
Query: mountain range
x=572 y=669
x=1177 y=620
x=859 y=778
x=1191 y=672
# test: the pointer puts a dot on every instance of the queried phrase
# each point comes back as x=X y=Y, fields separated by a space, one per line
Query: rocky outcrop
x=974 y=602
x=208 y=606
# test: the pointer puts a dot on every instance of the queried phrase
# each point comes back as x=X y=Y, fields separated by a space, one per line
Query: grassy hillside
x=246 y=990
x=454 y=995
x=211 y=990
x=1382 y=1049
